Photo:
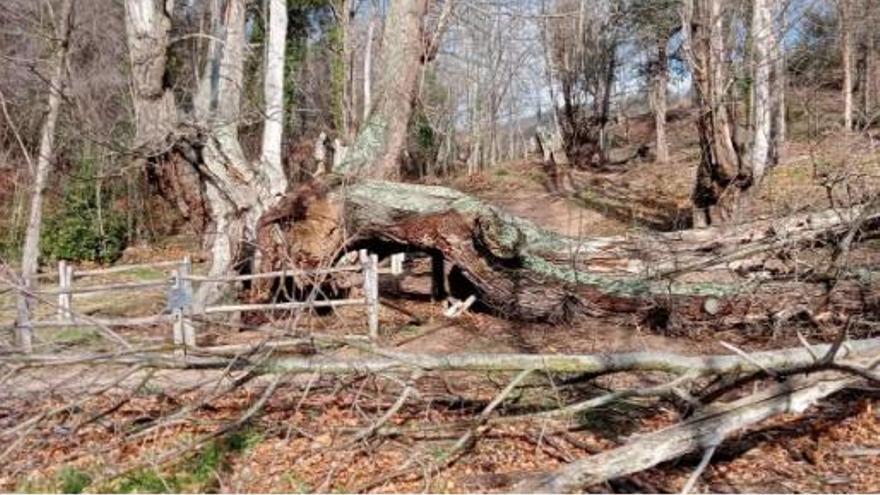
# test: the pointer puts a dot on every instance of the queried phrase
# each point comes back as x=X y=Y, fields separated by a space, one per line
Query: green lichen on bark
x=544 y=254
x=369 y=145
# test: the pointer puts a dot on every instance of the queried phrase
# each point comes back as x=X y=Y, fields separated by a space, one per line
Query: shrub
x=78 y=230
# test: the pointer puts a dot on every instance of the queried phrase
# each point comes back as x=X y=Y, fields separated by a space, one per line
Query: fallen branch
x=780 y=361
x=700 y=432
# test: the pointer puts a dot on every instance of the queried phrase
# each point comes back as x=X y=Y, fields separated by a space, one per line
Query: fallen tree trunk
x=526 y=272
x=705 y=431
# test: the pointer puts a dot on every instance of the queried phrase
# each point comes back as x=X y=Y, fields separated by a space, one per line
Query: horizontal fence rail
x=179 y=282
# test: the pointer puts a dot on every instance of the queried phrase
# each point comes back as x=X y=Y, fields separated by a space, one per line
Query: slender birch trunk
x=31 y=251
x=763 y=40
x=779 y=84
x=368 y=71
x=846 y=53
x=273 y=91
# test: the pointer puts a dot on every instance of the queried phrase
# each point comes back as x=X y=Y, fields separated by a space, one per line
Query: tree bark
x=779 y=77
x=31 y=250
x=763 y=40
x=147 y=29
x=525 y=272
x=368 y=70
x=659 y=80
x=377 y=148
x=706 y=430
x=846 y=54
x=273 y=93
x=233 y=191
x=719 y=179
x=871 y=90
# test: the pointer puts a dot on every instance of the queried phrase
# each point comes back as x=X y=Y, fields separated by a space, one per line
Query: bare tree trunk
x=763 y=40
x=780 y=68
x=871 y=90
x=384 y=134
x=846 y=53
x=659 y=78
x=548 y=75
x=525 y=272
x=147 y=28
x=368 y=70
x=718 y=184
x=31 y=250
x=233 y=191
x=273 y=93
x=705 y=430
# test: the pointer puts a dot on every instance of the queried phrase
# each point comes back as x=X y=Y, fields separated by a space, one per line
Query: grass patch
x=74 y=335
x=72 y=480
x=146 y=274
x=146 y=481
x=243 y=440
x=196 y=474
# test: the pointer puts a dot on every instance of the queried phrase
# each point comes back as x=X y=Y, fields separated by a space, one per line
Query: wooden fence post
x=68 y=279
x=62 y=273
x=179 y=300
x=65 y=284
x=189 y=331
x=370 y=264
x=397 y=263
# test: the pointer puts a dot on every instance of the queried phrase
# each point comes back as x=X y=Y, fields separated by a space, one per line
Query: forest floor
x=298 y=442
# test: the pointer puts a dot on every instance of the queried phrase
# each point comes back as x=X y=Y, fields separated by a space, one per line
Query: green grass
x=196 y=474
x=146 y=481
x=74 y=335
x=72 y=480
x=146 y=274
x=243 y=440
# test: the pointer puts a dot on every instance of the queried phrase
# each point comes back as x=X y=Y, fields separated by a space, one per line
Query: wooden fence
x=179 y=286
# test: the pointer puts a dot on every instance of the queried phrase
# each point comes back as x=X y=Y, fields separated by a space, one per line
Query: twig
x=748 y=358
x=373 y=428
x=704 y=463
x=460 y=445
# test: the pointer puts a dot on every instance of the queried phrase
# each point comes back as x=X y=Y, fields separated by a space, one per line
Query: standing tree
x=846 y=54
x=584 y=51
x=728 y=169
x=655 y=23
x=31 y=252
x=779 y=78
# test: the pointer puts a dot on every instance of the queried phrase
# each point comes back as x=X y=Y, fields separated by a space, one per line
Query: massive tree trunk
x=236 y=192
x=525 y=272
x=377 y=148
x=31 y=251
